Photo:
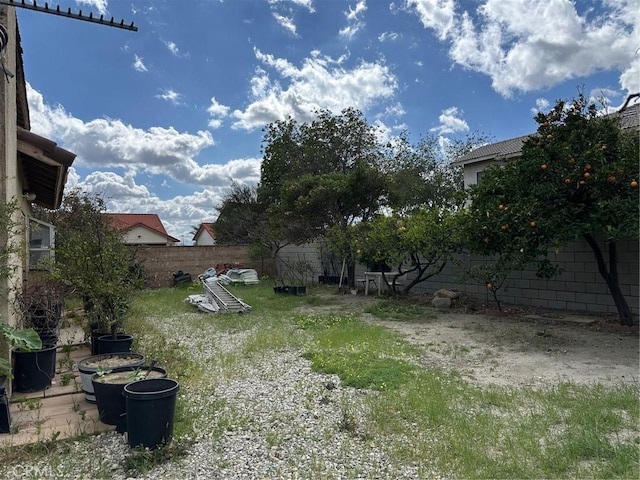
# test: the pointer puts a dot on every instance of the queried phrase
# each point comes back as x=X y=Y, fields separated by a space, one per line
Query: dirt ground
x=519 y=347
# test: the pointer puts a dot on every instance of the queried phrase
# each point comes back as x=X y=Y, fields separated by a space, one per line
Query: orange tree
x=578 y=177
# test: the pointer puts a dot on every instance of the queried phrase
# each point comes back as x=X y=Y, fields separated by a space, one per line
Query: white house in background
x=205 y=235
x=142 y=229
x=476 y=161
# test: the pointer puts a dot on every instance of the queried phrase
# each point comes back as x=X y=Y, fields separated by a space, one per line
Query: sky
x=163 y=119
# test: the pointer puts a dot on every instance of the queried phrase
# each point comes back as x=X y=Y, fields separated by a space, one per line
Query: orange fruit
x=505 y=226
x=587 y=166
x=582 y=182
x=567 y=180
x=489 y=285
x=500 y=207
x=533 y=224
x=543 y=166
x=587 y=174
x=634 y=184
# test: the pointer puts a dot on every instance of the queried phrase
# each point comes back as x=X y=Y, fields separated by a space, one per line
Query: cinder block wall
x=161 y=262
x=579 y=288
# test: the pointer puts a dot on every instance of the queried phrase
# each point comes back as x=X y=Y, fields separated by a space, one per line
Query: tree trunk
x=611 y=277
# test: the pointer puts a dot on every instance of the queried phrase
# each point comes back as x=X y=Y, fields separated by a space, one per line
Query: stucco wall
x=204 y=239
x=10 y=186
x=137 y=235
x=161 y=262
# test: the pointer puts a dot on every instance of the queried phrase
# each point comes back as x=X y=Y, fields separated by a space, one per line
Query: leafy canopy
x=577 y=175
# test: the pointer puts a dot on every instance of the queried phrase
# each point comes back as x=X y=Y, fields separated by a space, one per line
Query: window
x=478 y=177
x=41 y=243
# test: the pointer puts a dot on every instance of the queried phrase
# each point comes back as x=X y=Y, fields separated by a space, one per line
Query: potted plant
x=90 y=365
x=40 y=306
x=106 y=321
x=34 y=364
x=93 y=260
x=108 y=386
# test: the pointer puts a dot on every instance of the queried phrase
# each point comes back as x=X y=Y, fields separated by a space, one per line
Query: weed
x=65 y=378
x=142 y=460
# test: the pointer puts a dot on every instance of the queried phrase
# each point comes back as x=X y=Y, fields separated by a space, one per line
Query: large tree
x=578 y=177
x=243 y=219
x=424 y=193
x=321 y=176
x=422 y=175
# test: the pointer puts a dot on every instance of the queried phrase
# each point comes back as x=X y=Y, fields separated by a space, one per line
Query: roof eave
x=44 y=167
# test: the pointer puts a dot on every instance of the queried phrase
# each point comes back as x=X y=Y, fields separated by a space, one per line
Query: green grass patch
x=429 y=418
x=363 y=356
x=402 y=309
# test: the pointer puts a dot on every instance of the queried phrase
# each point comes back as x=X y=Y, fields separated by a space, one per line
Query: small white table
x=376 y=278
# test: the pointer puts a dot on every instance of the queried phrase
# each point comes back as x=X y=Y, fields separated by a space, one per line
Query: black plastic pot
x=33 y=371
x=109 y=344
x=95 y=334
x=108 y=390
x=151 y=407
x=5 y=414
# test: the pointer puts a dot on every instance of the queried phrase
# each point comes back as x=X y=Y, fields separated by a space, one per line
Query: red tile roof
x=126 y=221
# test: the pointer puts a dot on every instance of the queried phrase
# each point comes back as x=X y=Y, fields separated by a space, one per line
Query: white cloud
x=320 y=83
x=542 y=105
x=139 y=64
x=388 y=36
x=173 y=48
x=99 y=5
x=435 y=14
x=307 y=4
x=170 y=96
x=217 y=112
x=354 y=24
x=178 y=214
x=630 y=78
x=109 y=143
x=286 y=23
x=526 y=45
x=451 y=122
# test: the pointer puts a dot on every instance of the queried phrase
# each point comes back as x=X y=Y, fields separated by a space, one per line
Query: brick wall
x=161 y=262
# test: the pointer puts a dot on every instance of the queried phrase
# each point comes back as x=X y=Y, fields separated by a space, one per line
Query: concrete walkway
x=61 y=410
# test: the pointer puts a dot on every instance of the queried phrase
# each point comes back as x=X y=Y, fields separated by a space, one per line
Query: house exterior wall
x=10 y=184
x=204 y=239
x=140 y=235
x=161 y=262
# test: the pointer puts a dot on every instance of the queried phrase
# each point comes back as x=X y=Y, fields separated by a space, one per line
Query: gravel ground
x=273 y=418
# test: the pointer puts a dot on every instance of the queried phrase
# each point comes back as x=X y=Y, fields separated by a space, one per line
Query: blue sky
x=163 y=119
